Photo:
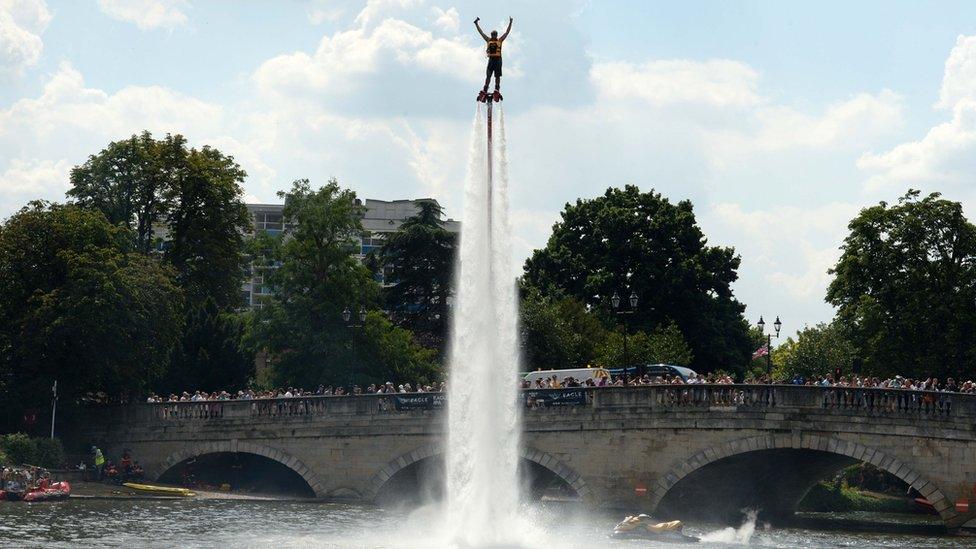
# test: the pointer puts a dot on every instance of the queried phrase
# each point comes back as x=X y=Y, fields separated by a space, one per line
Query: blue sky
x=780 y=120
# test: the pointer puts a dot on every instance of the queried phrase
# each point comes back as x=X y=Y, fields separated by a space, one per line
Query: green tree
x=418 y=262
x=315 y=278
x=190 y=198
x=127 y=182
x=390 y=353
x=627 y=240
x=212 y=354
x=207 y=221
x=558 y=333
x=816 y=351
x=905 y=287
x=77 y=306
x=662 y=346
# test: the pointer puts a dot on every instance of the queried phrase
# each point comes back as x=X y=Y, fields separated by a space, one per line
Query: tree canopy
x=80 y=307
x=315 y=278
x=631 y=241
x=418 y=265
x=558 y=332
x=905 y=287
x=815 y=351
x=185 y=201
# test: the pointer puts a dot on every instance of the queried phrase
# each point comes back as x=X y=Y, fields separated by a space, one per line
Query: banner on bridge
x=419 y=401
x=554 y=397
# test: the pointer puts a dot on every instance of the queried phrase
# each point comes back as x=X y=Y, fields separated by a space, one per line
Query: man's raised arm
x=508 y=30
x=481 y=32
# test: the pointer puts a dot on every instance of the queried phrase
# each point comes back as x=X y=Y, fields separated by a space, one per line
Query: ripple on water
x=280 y=525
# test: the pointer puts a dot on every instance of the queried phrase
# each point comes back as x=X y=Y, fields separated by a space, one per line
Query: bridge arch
x=547 y=461
x=826 y=445
x=243 y=447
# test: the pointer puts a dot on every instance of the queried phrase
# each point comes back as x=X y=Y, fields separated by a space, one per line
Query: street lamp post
x=615 y=300
x=346 y=316
x=769 y=341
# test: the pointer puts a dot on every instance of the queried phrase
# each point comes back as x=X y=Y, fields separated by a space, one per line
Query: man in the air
x=494 y=52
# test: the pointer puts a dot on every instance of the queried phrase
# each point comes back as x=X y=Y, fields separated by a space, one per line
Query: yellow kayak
x=162 y=490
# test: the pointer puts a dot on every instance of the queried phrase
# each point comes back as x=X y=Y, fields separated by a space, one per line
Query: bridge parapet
x=851 y=400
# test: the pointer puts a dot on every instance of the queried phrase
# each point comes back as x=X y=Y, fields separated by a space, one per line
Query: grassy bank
x=837 y=496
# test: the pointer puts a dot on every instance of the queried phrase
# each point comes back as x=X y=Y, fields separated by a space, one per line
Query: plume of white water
x=740 y=535
x=483 y=418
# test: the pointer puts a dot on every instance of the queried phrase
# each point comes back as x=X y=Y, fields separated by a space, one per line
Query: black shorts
x=495 y=66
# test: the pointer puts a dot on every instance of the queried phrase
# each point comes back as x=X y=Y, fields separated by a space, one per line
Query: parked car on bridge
x=579 y=374
x=655 y=370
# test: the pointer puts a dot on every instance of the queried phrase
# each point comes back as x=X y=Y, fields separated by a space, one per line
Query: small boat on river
x=161 y=490
x=52 y=492
x=31 y=484
x=644 y=527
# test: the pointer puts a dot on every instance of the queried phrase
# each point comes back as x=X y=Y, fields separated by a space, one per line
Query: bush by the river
x=19 y=448
x=838 y=496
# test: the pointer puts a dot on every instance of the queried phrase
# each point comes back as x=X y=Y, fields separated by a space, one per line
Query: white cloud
x=447 y=20
x=946 y=155
x=341 y=61
x=377 y=9
x=147 y=14
x=786 y=252
x=718 y=82
x=34 y=178
x=852 y=122
x=22 y=22
x=959 y=78
x=67 y=107
x=43 y=136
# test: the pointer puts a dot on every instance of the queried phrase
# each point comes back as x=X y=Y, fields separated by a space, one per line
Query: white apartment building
x=381 y=218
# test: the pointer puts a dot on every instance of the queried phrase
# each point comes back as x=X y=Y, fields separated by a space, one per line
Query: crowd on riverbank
x=556 y=382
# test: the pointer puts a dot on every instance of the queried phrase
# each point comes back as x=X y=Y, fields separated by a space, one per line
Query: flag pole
x=54 y=405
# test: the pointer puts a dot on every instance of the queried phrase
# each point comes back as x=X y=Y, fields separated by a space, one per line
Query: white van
x=579 y=374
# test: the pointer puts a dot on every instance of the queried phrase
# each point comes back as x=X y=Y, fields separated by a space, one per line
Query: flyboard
x=488 y=99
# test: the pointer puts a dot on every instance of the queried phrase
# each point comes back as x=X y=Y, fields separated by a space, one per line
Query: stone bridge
x=706 y=448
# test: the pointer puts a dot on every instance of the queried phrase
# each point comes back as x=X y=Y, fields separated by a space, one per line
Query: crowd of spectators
x=290 y=392
x=557 y=382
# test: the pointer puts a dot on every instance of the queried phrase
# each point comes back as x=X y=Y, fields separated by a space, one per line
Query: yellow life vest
x=494 y=48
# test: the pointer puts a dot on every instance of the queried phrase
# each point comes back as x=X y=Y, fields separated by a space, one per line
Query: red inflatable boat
x=53 y=492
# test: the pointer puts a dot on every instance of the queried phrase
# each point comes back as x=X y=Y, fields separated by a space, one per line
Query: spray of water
x=483 y=419
x=740 y=535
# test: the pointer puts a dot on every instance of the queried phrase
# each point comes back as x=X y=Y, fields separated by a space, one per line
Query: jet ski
x=644 y=527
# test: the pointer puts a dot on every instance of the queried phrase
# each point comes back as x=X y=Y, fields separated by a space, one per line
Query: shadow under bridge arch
x=242 y=465
x=771 y=474
x=419 y=476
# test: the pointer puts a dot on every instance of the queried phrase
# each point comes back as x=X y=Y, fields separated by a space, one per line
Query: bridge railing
x=852 y=399
x=893 y=402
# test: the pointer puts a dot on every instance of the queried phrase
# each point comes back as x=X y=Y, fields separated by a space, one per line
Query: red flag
x=760 y=352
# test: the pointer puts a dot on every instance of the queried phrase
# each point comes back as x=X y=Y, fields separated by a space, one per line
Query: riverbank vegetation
x=860 y=487
x=19 y=449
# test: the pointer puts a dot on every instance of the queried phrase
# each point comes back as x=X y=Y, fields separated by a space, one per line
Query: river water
x=279 y=524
